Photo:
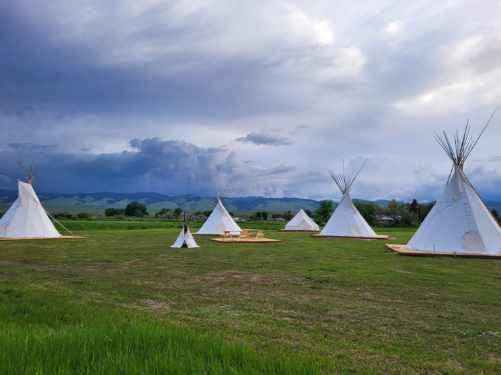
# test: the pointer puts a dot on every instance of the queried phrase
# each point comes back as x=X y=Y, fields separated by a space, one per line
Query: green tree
x=424 y=209
x=83 y=215
x=324 y=211
x=114 y=211
x=393 y=207
x=260 y=215
x=164 y=212
x=368 y=211
x=177 y=212
x=136 y=209
x=414 y=207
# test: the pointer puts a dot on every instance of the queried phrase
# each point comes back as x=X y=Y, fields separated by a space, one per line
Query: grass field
x=121 y=301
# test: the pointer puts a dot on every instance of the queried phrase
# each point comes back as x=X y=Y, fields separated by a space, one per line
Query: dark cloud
x=366 y=79
x=156 y=165
x=261 y=139
x=152 y=165
x=30 y=147
x=45 y=72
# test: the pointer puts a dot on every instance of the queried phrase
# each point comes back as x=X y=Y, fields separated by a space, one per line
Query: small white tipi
x=459 y=223
x=185 y=239
x=26 y=218
x=302 y=222
x=346 y=220
x=219 y=222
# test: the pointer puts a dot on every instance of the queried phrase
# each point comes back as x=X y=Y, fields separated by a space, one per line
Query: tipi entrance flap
x=185 y=239
x=472 y=241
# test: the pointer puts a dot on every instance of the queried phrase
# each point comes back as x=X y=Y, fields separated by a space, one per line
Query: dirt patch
x=237 y=276
x=155 y=305
x=454 y=365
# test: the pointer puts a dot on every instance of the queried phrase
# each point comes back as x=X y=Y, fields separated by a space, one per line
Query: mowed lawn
x=122 y=301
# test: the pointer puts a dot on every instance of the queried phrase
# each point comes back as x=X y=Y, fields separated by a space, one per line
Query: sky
x=247 y=98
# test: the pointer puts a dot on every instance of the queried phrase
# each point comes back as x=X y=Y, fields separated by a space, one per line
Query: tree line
x=393 y=214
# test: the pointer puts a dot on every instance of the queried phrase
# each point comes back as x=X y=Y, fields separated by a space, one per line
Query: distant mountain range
x=96 y=203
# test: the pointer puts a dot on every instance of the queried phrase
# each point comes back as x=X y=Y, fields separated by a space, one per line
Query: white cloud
x=317 y=30
x=368 y=79
x=468 y=73
x=393 y=28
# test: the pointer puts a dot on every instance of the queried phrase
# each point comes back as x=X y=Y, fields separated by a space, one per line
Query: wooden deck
x=404 y=250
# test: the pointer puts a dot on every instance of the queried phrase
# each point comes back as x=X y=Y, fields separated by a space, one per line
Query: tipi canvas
x=302 y=222
x=219 y=222
x=26 y=218
x=185 y=239
x=459 y=223
x=346 y=220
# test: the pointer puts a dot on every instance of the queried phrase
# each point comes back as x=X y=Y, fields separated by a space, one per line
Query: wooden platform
x=243 y=240
x=40 y=239
x=377 y=237
x=404 y=250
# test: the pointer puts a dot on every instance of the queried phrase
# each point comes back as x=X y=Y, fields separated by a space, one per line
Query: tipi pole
x=59 y=223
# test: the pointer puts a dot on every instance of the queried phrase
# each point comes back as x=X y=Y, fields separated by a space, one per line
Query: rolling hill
x=96 y=203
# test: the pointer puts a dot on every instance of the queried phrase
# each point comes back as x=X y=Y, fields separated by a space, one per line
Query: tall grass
x=132 y=349
x=43 y=332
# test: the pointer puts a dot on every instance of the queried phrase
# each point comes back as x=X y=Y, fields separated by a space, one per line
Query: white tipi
x=346 y=220
x=219 y=222
x=459 y=223
x=302 y=222
x=26 y=218
x=185 y=239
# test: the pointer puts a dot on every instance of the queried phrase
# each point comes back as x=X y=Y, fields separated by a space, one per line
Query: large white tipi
x=26 y=218
x=219 y=222
x=302 y=222
x=459 y=223
x=185 y=239
x=346 y=220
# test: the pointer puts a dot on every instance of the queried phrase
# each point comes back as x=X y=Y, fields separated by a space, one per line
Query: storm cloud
x=151 y=165
x=165 y=95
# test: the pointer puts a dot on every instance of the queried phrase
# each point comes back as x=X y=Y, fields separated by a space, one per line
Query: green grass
x=133 y=348
x=148 y=223
x=121 y=301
